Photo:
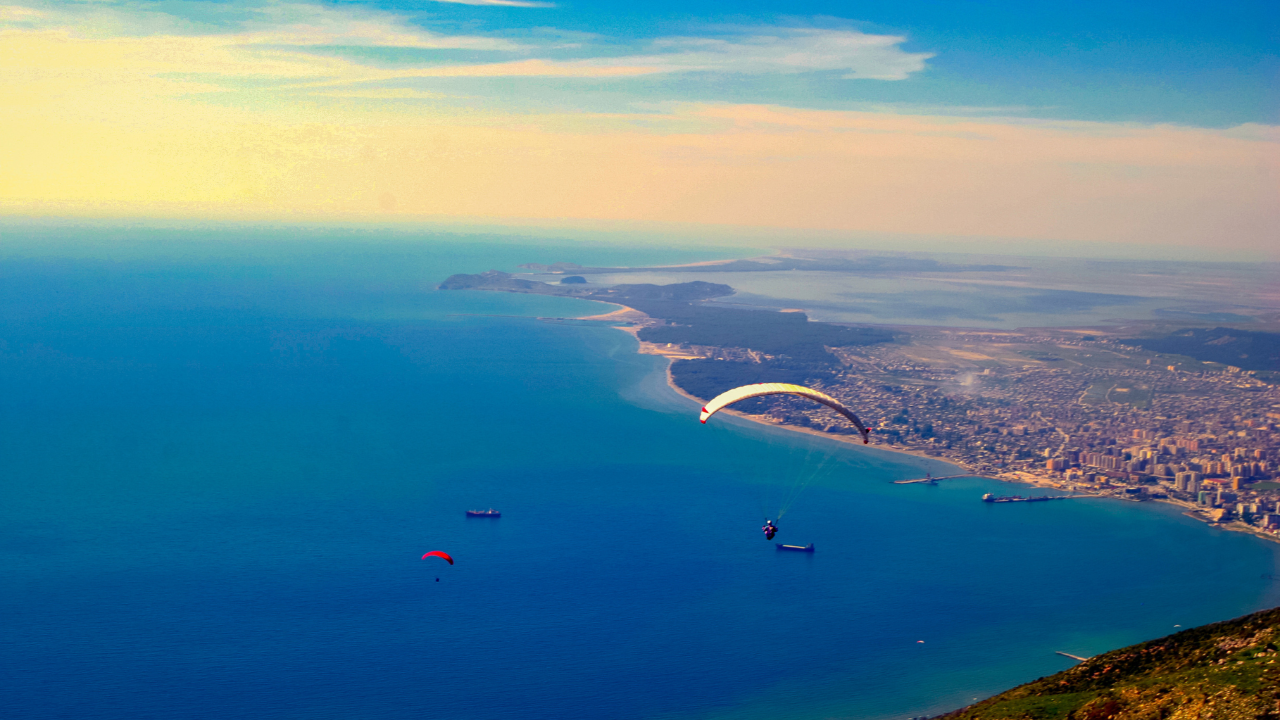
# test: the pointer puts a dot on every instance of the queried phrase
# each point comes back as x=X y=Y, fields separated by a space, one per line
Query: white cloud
x=279 y=40
x=777 y=51
x=500 y=3
x=859 y=55
x=304 y=24
x=352 y=73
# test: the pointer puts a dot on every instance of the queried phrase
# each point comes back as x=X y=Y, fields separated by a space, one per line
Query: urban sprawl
x=1203 y=436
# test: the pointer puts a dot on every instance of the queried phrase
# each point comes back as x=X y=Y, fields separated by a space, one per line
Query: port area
x=932 y=480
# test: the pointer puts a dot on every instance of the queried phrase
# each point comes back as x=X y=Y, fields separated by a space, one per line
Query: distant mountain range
x=498 y=280
x=1224 y=670
x=1244 y=349
x=861 y=266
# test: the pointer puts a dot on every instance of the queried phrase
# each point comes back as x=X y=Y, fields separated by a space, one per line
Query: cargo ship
x=796 y=548
x=484 y=513
x=1018 y=498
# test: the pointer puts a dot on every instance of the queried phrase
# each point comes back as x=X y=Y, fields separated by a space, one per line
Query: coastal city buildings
x=1205 y=439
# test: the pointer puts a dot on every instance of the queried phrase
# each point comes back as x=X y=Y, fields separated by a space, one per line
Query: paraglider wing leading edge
x=729 y=397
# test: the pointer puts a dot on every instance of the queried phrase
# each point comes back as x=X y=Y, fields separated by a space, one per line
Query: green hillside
x=1245 y=349
x=1225 y=671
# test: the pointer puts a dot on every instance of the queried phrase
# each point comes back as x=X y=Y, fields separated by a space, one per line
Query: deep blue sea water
x=225 y=453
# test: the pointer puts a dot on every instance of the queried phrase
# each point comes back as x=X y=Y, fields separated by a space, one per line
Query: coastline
x=638 y=320
x=641 y=320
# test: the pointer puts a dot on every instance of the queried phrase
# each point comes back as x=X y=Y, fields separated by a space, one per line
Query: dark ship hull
x=1018 y=498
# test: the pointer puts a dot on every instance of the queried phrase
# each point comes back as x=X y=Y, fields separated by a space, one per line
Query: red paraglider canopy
x=438 y=554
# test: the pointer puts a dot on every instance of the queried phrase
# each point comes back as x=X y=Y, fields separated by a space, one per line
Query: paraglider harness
x=769 y=529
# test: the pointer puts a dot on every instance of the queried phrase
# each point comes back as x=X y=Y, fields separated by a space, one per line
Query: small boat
x=484 y=513
x=796 y=548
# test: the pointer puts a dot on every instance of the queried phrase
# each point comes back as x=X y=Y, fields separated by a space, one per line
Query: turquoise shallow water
x=222 y=468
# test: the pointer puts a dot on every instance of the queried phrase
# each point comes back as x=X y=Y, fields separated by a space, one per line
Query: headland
x=1224 y=670
x=1134 y=411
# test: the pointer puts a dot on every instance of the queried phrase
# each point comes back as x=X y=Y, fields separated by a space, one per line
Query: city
x=1076 y=411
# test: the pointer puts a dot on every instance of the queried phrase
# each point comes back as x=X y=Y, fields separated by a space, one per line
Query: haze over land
x=988 y=291
x=1133 y=408
x=252 y=364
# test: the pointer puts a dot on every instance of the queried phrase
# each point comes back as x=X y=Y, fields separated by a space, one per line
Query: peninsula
x=1085 y=410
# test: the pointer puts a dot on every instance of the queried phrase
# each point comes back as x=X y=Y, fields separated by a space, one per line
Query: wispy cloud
x=275 y=31
x=380 y=94
x=517 y=68
x=782 y=51
x=107 y=108
x=18 y=14
x=778 y=51
x=500 y=3
x=303 y=24
x=785 y=50
x=293 y=24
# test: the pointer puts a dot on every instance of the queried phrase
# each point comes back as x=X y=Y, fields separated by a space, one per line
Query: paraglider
x=437 y=553
x=808 y=472
x=729 y=397
x=769 y=529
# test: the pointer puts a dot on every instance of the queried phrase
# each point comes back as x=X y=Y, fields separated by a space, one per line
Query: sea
x=225 y=450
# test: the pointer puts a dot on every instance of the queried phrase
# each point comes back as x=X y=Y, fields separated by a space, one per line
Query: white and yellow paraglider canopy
x=730 y=397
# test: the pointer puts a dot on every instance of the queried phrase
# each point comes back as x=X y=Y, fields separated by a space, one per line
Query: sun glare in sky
x=1096 y=121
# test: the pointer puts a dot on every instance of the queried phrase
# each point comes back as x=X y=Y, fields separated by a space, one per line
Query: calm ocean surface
x=224 y=458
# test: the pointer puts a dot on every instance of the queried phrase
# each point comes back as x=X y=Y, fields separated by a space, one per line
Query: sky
x=1143 y=124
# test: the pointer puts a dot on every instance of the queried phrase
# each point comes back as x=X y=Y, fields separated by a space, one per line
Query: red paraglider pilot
x=769 y=529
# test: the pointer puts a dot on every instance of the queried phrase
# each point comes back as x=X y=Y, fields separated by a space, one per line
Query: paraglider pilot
x=769 y=529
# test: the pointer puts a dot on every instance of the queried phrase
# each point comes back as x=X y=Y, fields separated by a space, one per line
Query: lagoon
x=222 y=469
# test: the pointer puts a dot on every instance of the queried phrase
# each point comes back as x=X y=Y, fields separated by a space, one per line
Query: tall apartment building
x=1187 y=482
x=1100 y=460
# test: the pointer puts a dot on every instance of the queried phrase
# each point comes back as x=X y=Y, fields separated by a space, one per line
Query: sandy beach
x=622 y=314
x=637 y=320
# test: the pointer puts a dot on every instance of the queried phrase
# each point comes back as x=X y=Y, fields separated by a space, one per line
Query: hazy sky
x=1149 y=123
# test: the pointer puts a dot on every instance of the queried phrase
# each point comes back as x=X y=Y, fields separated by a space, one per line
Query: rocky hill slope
x=1225 y=671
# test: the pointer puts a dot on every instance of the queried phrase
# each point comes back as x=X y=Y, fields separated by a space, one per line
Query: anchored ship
x=796 y=548
x=1018 y=498
x=484 y=513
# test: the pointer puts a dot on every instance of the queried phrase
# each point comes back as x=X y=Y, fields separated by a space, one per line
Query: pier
x=1073 y=657
x=931 y=479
